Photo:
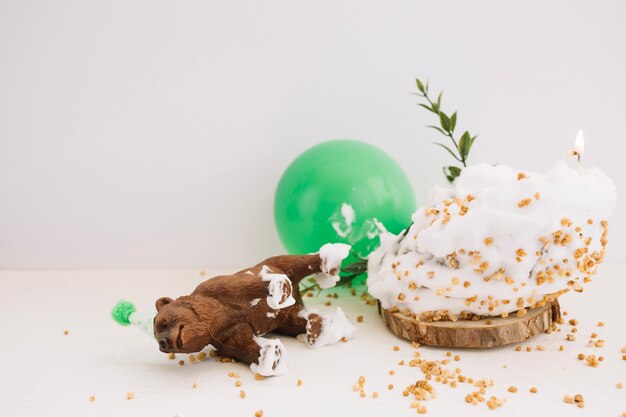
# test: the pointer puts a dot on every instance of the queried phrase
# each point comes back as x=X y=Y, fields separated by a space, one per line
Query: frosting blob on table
x=500 y=240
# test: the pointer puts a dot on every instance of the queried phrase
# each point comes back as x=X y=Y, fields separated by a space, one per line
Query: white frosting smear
x=272 y=357
x=342 y=222
x=335 y=326
x=500 y=240
x=332 y=255
x=276 y=284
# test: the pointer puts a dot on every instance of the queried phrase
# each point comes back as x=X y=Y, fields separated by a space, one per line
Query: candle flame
x=579 y=145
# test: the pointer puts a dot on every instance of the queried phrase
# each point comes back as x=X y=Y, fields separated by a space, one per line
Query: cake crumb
x=579 y=400
x=93 y=397
x=171 y=355
x=359 y=319
x=66 y=332
x=259 y=413
x=299 y=382
x=512 y=389
x=130 y=395
x=396 y=348
x=242 y=394
x=194 y=385
x=619 y=385
x=181 y=362
x=533 y=390
x=390 y=386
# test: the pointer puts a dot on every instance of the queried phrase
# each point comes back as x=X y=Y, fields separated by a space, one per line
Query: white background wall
x=153 y=133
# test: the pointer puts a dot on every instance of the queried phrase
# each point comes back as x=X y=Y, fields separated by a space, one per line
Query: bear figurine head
x=181 y=325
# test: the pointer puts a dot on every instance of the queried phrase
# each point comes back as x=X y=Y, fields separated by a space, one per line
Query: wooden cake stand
x=484 y=333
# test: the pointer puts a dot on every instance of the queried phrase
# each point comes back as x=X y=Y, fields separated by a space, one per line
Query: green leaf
x=420 y=86
x=445 y=121
x=465 y=144
x=435 y=107
x=448 y=149
x=473 y=138
x=426 y=107
x=357 y=267
x=449 y=177
x=439 y=99
x=454 y=171
x=427 y=85
x=452 y=122
x=438 y=129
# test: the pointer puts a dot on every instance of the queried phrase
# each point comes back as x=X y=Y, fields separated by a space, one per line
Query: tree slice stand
x=474 y=334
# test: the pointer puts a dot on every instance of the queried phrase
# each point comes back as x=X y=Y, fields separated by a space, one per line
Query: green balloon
x=334 y=191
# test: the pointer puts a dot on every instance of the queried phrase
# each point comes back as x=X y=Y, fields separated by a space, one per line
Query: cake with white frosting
x=499 y=241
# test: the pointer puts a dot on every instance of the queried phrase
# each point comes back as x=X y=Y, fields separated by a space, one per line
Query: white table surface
x=46 y=373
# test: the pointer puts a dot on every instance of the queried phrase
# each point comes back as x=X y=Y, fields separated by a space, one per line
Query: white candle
x=499 y=240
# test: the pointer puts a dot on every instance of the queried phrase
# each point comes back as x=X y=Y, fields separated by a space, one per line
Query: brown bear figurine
x=233 y=312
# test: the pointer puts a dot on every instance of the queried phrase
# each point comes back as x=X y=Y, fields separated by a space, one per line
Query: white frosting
x=271 y=351
x=335 y=326
x=331 y=254
x=489 y=241
x=343 y=223
x=254 y=302
x=275 y=288
x=144 y=321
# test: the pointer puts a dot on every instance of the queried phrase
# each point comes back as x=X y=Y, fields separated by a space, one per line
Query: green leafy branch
x=461 y=149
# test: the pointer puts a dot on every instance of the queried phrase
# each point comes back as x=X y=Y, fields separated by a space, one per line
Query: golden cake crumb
x=359 y=319
x=130 y=395
x=374 y=394
x=237 y=383
x=259 y=413
x=66 y=332
x=524 y=202
x=396 y=348
x=259 y=377
x=171 y=355
x=242 y=394
x=568 y=399
x=533 y=390
x=512 y=389
x=93 y=397
x=579 y=400
x=181 y=362
x=299 y=382
x=194 y=385
x=390 y=386
x=619 y=385
x=600 y=324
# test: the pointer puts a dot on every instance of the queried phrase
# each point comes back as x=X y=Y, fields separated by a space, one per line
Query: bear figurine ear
x=162 y=302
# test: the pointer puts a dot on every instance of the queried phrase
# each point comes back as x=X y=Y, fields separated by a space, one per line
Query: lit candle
x=579 y=146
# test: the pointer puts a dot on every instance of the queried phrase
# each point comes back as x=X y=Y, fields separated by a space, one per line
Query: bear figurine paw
x=331 y=255
x=279 y=289
x=325 y=328
x=272 y=357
